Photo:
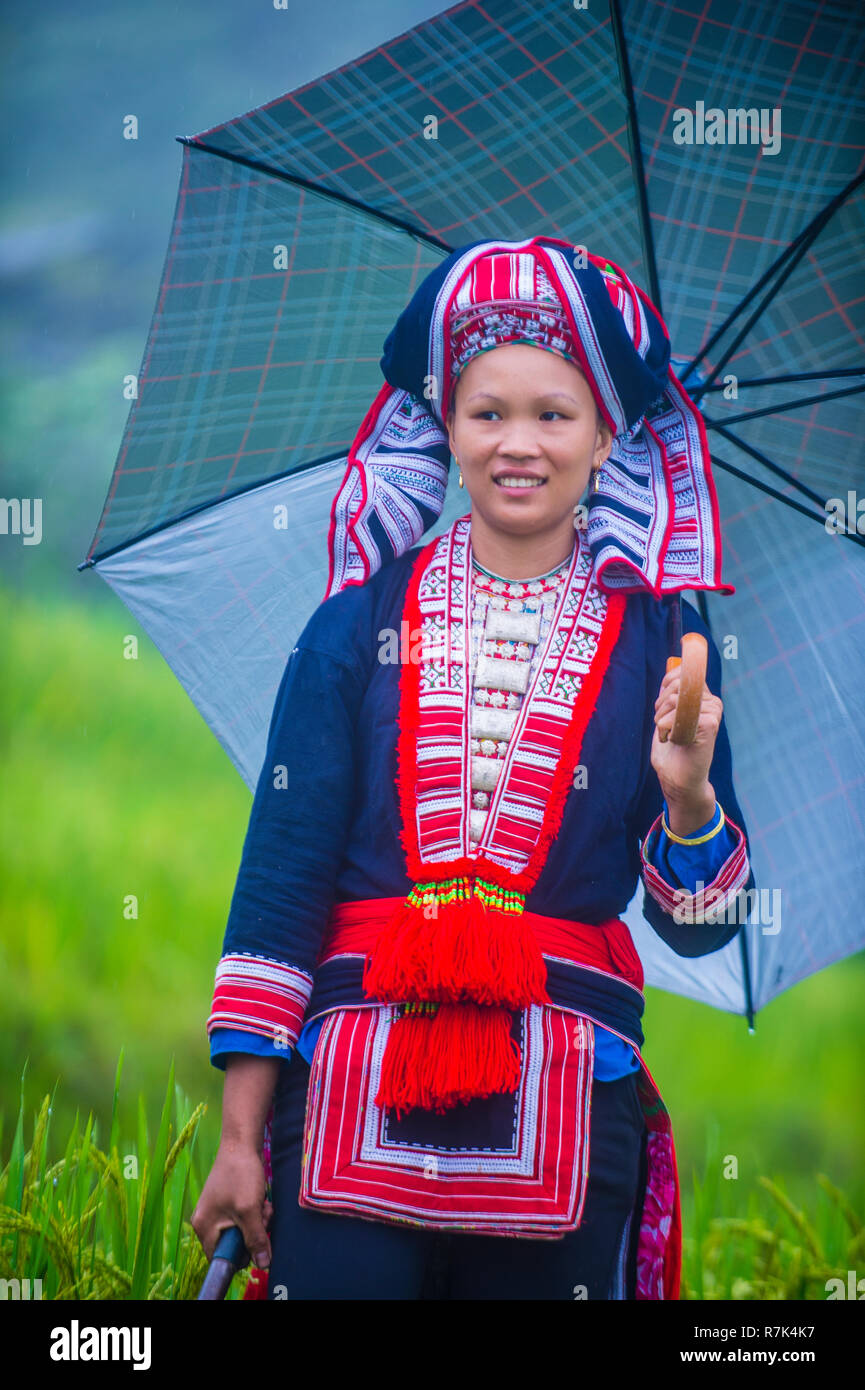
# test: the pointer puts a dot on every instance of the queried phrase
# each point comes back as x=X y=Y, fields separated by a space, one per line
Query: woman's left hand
x=683 y=769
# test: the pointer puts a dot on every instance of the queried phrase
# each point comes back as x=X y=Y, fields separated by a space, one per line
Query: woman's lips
x=513 y=483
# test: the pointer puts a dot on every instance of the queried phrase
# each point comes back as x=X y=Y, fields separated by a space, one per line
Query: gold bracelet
x=701 y=840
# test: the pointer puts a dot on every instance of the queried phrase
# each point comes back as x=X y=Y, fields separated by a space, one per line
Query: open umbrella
x=720 y=159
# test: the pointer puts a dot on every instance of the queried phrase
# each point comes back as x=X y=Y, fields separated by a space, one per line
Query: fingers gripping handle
x=229 y=1256
x=693 y=661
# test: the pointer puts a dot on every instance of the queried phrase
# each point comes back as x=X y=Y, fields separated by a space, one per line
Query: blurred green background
x=113 y=784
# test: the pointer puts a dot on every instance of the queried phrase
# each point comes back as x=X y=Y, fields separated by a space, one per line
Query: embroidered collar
x=434 y=751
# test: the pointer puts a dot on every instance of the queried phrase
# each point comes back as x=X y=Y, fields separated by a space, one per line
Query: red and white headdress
x=653 y=522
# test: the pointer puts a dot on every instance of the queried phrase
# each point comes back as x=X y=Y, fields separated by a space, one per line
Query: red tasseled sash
x=463 y=1049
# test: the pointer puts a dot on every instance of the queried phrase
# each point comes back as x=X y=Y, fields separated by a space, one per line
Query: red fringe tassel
x=461 y=1052
x=257 y=1285
x=463 y=951
x=478 y=964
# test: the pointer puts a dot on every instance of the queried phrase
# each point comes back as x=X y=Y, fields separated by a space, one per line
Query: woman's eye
x=494 y=415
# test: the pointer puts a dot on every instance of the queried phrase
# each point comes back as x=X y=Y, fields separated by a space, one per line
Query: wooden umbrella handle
x=693 y=661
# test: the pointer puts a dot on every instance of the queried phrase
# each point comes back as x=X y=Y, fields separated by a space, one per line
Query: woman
x=467 y=768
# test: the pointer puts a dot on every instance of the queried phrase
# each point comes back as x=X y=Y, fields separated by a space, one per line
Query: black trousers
x=323 y=1255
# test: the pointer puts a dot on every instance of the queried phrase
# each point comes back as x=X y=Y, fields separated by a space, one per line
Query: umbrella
x=716 y=151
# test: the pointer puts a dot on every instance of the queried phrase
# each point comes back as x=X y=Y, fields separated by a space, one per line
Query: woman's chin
x=518 y=516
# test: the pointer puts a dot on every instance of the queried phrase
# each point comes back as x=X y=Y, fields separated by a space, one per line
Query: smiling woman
x=424 y=965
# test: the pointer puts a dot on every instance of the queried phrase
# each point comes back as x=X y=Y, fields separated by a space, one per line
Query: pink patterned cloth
x=659 y=1245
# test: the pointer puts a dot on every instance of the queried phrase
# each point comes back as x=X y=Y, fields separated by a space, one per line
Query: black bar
x=636 y=154
x=743 y=303
x=779 y=497
x=767 y=463
x=318 y=188
x=675 y=626
x=323 y=192
x=202 y=506
x=746 y=976
x=790 y=376
x=783 y=277
x=703 y=608
x=776 y=265
x=794 y=405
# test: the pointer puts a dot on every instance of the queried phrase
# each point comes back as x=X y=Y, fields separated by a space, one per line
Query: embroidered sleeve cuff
x=709 y=902
x=253 y=994
x=224 y=1041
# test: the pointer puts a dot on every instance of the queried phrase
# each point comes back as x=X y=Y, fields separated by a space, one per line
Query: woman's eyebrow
x=542 y=396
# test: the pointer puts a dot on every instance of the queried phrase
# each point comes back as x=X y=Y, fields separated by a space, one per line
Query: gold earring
x=457 y=462
x=596 y=480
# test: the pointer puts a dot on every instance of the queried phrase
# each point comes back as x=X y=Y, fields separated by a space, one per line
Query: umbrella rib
x=746 y=973
x=799 y=254
x=401 y=223
x=793 y=405
x=790 y=376
x=636 y=153
x=743 y=303
x=793 y=254
x=704 y=608
x=767 y=462
x=779 y=496
x=211 y=502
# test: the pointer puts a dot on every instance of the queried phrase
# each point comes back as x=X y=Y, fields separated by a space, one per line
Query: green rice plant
x=105 y=1223
x=112 y=1222
x=775 y=1250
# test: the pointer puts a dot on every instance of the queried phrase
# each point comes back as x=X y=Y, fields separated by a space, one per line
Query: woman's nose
x=519 y=442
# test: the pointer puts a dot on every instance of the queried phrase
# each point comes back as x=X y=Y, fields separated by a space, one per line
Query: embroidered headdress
x=653 y=522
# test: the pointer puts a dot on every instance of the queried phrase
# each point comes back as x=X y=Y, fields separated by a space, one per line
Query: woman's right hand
x=234 y=1195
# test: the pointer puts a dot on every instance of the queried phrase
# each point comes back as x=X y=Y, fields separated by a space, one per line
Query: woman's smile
x=518 y=482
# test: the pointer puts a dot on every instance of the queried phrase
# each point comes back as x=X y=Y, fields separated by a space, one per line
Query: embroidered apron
x=359 y=1160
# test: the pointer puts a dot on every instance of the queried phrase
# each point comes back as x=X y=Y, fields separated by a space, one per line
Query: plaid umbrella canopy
x=303 y=227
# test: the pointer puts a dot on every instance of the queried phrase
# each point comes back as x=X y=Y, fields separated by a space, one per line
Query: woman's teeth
x=520 y=482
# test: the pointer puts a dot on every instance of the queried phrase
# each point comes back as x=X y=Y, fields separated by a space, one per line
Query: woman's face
x=520 y=413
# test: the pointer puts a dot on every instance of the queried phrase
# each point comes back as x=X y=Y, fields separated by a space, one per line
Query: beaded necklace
x=509 y=621
x=522 y=582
